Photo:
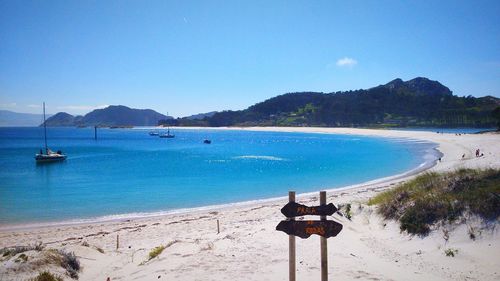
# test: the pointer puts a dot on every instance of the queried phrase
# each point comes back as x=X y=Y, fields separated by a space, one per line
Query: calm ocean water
x=127 y=171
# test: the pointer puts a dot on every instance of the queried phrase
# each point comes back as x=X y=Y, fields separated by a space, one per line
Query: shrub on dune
x=433 y=197
x=46 y=276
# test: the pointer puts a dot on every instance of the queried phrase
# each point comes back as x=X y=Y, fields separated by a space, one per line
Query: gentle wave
x=217 y=161
x=260 y=157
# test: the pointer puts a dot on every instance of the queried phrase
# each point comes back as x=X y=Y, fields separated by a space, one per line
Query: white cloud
x=346 y=62
x=81 y=107
x=34 y=106
x=8 y=105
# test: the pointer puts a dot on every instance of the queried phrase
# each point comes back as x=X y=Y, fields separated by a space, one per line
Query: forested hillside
x=417 y=102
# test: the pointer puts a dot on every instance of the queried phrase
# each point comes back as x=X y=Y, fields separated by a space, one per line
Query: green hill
x=417 y=102
x=114 y=115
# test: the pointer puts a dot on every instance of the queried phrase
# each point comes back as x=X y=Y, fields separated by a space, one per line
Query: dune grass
x=345 y=210
x=435 y=197
x=46 y=276
x=40 y=258
x=12 y=251
x=450 y=252
x=156 y=252
x=66 y=260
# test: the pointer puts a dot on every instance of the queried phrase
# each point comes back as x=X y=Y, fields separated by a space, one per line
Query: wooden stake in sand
x=117 y=242
x=323 y=242
x=218 y=229
x=291 y=244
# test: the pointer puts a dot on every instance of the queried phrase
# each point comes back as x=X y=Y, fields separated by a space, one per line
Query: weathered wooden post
x=323 y=242
x=218 y=229
x=291 y=244
x=117 y=242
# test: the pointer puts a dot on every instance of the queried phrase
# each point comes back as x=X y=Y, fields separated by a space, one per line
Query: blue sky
x=186 y=57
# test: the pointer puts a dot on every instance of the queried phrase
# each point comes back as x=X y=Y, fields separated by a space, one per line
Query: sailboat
x=167 y=135
x=49 y=155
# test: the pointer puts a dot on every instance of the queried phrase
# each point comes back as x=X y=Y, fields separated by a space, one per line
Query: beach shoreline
x=249 y=248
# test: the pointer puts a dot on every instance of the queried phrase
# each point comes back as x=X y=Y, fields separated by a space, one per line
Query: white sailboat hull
x=53 y=157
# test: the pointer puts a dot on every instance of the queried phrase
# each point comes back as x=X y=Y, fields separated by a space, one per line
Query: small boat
x=49 y=155
x=206 y=141
x=153 y=133
x=167 y=135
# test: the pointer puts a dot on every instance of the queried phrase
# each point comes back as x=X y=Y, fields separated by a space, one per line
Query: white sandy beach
x=249 y=248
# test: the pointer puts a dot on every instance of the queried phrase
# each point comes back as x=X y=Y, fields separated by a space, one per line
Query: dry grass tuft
x=66 y=260
x=8 y=252
x=156 y=252
x=46 y=276
x=450 y=252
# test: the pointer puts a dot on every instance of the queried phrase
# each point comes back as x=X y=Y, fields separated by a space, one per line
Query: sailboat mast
x=45 y=130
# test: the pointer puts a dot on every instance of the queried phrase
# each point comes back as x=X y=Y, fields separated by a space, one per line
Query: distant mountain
x=200 y=116
x=192 y=120
x=114 y=115
x=119 y=115
x=63 y=119
x=417 y=102
x=419 y=86
x=16 y=119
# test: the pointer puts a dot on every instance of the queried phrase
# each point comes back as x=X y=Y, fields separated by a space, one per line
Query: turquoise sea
x=128 y=173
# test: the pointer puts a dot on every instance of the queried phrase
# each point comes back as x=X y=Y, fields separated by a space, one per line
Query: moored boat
x=49 y=155
x=167 y=135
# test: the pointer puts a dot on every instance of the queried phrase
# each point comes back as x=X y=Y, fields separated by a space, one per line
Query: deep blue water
x=127 y=171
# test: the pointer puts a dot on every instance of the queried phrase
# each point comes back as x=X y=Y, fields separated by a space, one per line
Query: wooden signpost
x=293 y=209
x=305 y=228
